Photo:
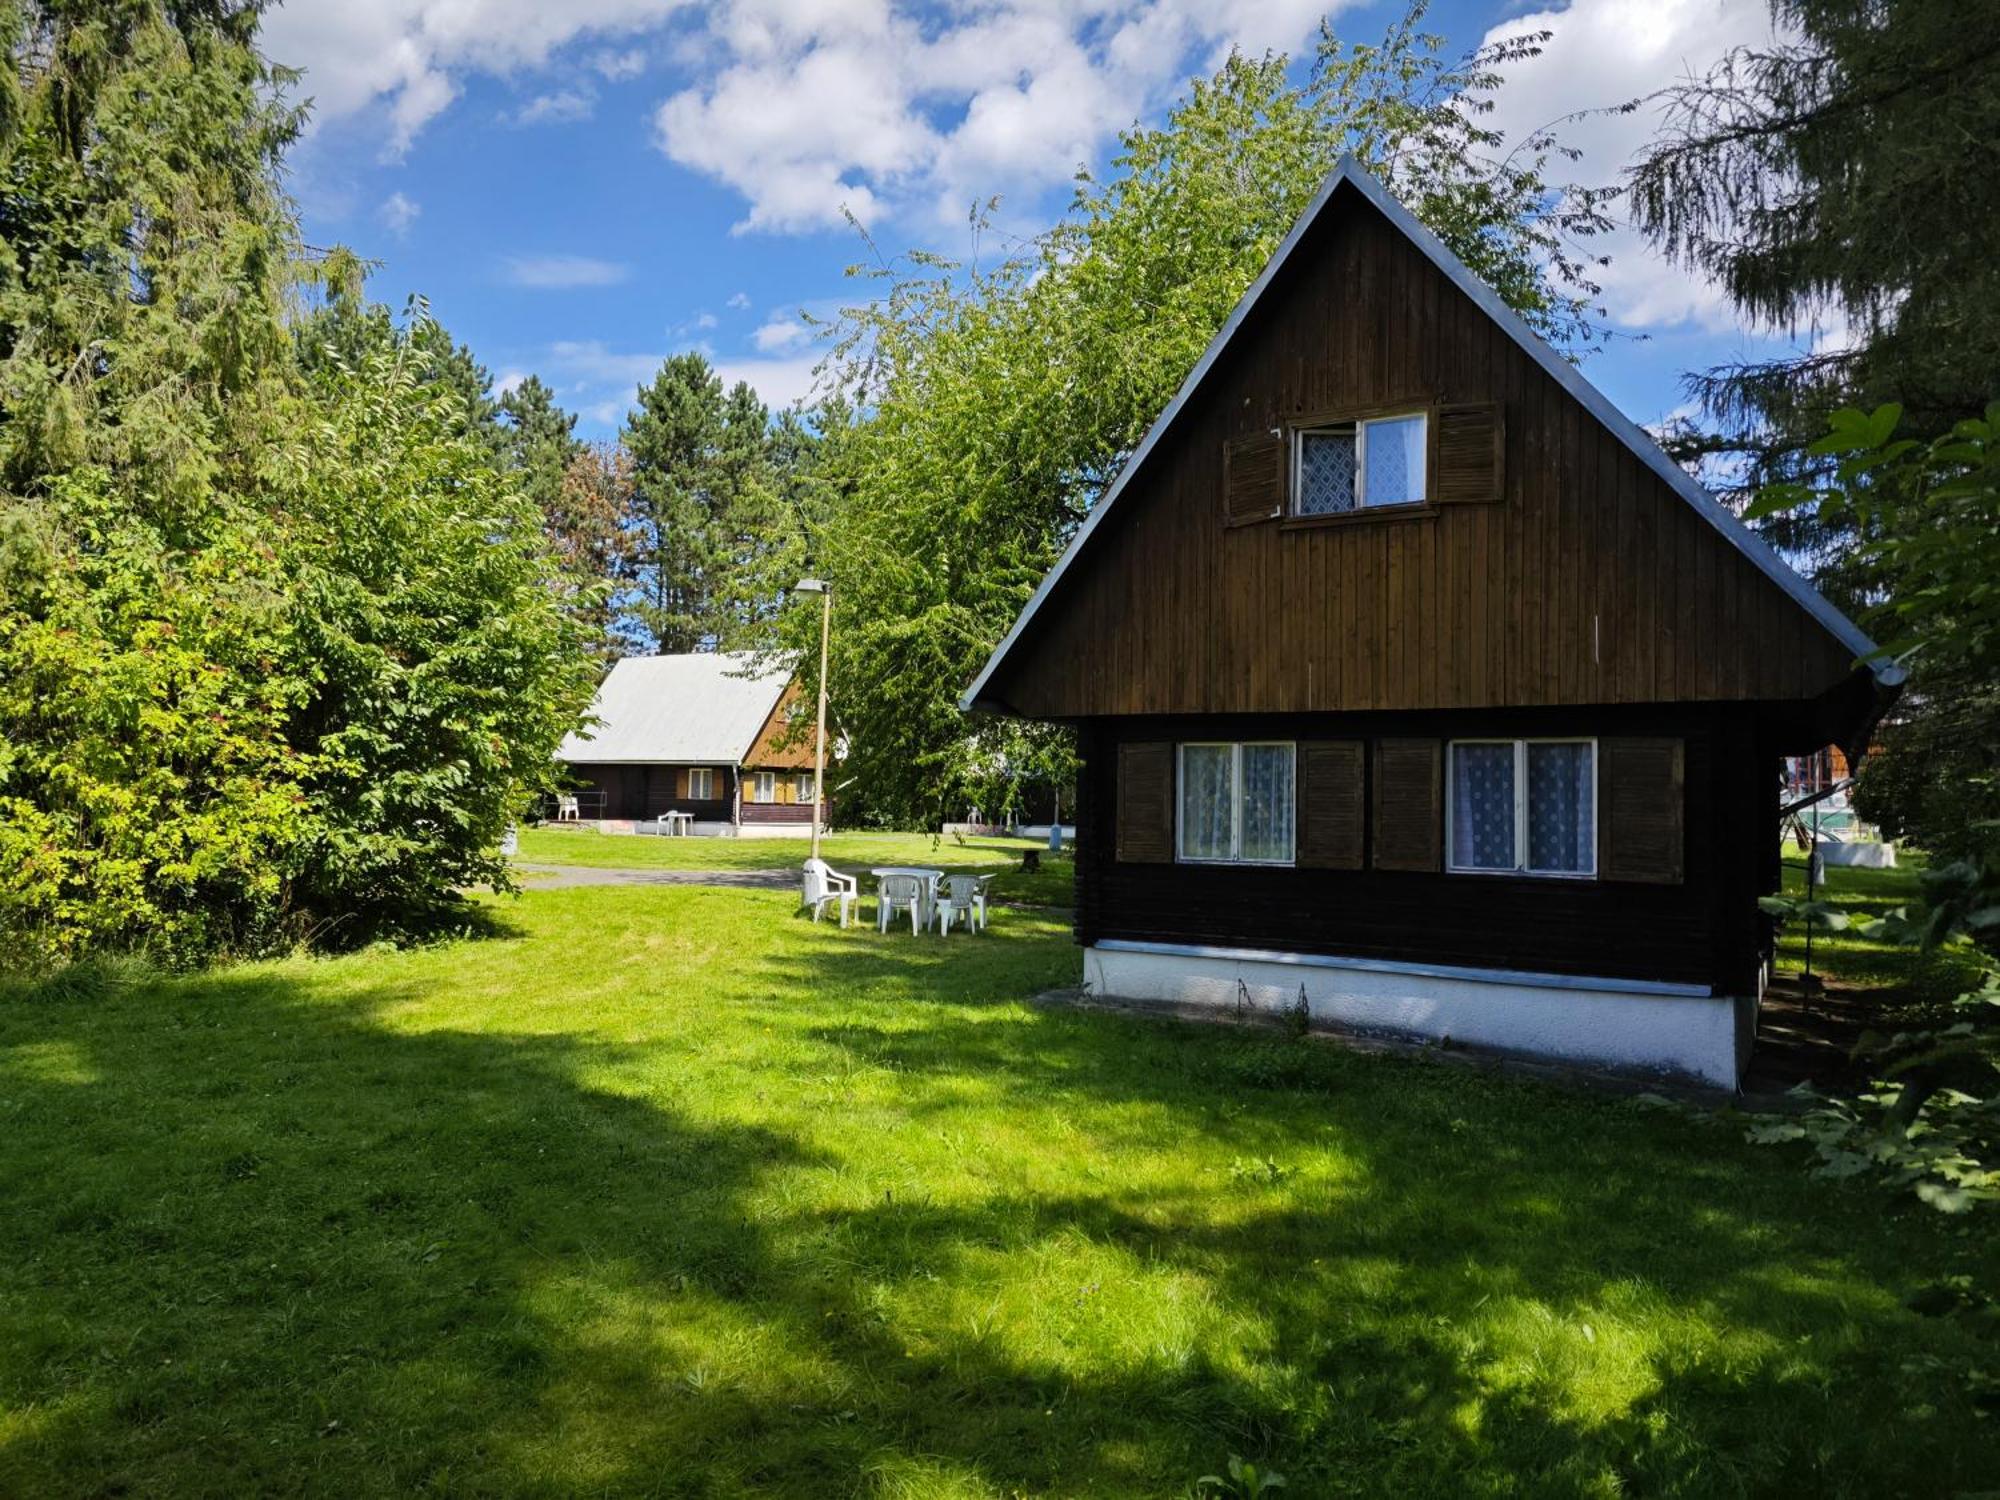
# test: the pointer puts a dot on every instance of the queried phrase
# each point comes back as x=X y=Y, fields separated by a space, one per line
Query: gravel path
x=556 y=877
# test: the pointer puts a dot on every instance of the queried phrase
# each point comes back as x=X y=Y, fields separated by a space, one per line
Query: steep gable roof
x=704 y=706
x=1350 y=173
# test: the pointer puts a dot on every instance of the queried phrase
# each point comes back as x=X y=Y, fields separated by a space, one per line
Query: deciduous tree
x=1002 y=397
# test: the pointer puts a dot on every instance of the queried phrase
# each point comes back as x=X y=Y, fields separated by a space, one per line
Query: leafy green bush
x=1931 y=1120
x=281 y=644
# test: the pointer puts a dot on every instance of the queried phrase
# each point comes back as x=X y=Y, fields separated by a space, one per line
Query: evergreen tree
x=538 y=438
x=281 y=644
x=1840 y=179
x=701 y=508
x=346 y=328
x=145 y=246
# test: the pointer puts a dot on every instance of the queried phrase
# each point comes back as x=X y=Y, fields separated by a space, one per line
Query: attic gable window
x=1348 y=466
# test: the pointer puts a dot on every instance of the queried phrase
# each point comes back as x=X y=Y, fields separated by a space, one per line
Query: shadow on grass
x=272 y=1234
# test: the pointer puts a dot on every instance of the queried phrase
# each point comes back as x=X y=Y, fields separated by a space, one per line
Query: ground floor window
x=764 y=787
x=1522 y=806
x=802 y=787
x=701 y=784
x=1237 y=803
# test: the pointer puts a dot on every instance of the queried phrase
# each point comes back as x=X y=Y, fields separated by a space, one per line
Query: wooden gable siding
x=1591 y=581
x=770 y=752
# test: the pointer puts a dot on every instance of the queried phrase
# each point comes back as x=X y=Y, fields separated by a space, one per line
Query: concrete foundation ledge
x=1670 y=1031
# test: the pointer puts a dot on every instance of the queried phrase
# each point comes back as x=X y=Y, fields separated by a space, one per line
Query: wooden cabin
x=709 y=734
x=1411 y=676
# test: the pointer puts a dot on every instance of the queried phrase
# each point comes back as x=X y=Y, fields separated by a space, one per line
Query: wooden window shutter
x=1642 y=800
x=1146 y=804
x=1409 y=819
x=1253 y=478
x=1333 y=809
x=1469 y=448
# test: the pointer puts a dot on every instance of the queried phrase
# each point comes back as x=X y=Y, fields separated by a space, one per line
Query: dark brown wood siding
x=1589 y=582
x=647 y=791
x=1703 y=929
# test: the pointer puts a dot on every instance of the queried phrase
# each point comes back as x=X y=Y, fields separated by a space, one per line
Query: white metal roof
x=707 y=706
x=1559 y=369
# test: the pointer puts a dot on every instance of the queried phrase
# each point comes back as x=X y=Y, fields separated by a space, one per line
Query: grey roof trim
x=1559 y=369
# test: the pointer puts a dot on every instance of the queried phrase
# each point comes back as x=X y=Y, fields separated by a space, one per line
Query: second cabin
x=1409 y=674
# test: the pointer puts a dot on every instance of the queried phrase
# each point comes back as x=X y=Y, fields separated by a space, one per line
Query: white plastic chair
x=825 y=885
x=897 y=893
x=964 y=895
x=567 y=810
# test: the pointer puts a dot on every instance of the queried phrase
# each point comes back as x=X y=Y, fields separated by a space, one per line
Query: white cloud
x=619 y=66
x=565 y=106
x=779 y=382
x=739 y=300
x=398 y=212
x=593 y=363
x=1609 y=52
x=812 y=107
x=404 y=58
x=561 y=272
x=601 y=383
x=780 y=334
x=509 y=382
x=805 y=107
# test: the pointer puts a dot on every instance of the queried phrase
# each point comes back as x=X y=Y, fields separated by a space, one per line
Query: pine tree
x=1841 y=179
x=702 y=503
x=145 y=246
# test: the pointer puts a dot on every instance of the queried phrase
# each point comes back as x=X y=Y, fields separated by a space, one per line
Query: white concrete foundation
x=1681 y=1031
x=801 y=830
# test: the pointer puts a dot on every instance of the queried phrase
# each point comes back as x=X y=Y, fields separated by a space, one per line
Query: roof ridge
x=1349 y=171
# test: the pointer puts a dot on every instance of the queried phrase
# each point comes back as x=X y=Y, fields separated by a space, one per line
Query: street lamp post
x=825 y=591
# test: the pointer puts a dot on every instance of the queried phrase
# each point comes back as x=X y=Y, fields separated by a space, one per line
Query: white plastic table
x=927 y=878
x=674 y=824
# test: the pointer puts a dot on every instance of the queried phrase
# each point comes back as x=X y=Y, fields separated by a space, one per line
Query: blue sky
x=583 y=188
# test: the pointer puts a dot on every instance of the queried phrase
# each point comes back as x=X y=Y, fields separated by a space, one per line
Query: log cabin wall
x=1588 y=582
x=1702 y=929
x=639 y=792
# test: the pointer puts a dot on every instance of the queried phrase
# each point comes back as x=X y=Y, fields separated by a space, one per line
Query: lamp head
x=812 y=586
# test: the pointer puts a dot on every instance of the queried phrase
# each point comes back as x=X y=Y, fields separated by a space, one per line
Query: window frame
x=707 y=792
x=1235 y=855
x=1520 y=867
x=1330 y=425
x=802 y=788
x=763 y=787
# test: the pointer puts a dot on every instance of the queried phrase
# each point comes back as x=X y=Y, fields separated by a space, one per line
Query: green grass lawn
x=666 y=1191
x=850 y=853
x=1908 y=982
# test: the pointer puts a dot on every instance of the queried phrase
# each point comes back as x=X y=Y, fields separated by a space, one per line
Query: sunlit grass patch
x=852 y=853
x=669 y=1191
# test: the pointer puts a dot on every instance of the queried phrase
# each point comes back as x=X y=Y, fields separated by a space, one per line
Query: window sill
x=1362 y=517
x=1523 y=874
x=1237 y=864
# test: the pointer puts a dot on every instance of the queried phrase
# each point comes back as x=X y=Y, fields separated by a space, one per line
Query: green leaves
x=1000 y=396
x=1822 y=916
x=281 y=644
